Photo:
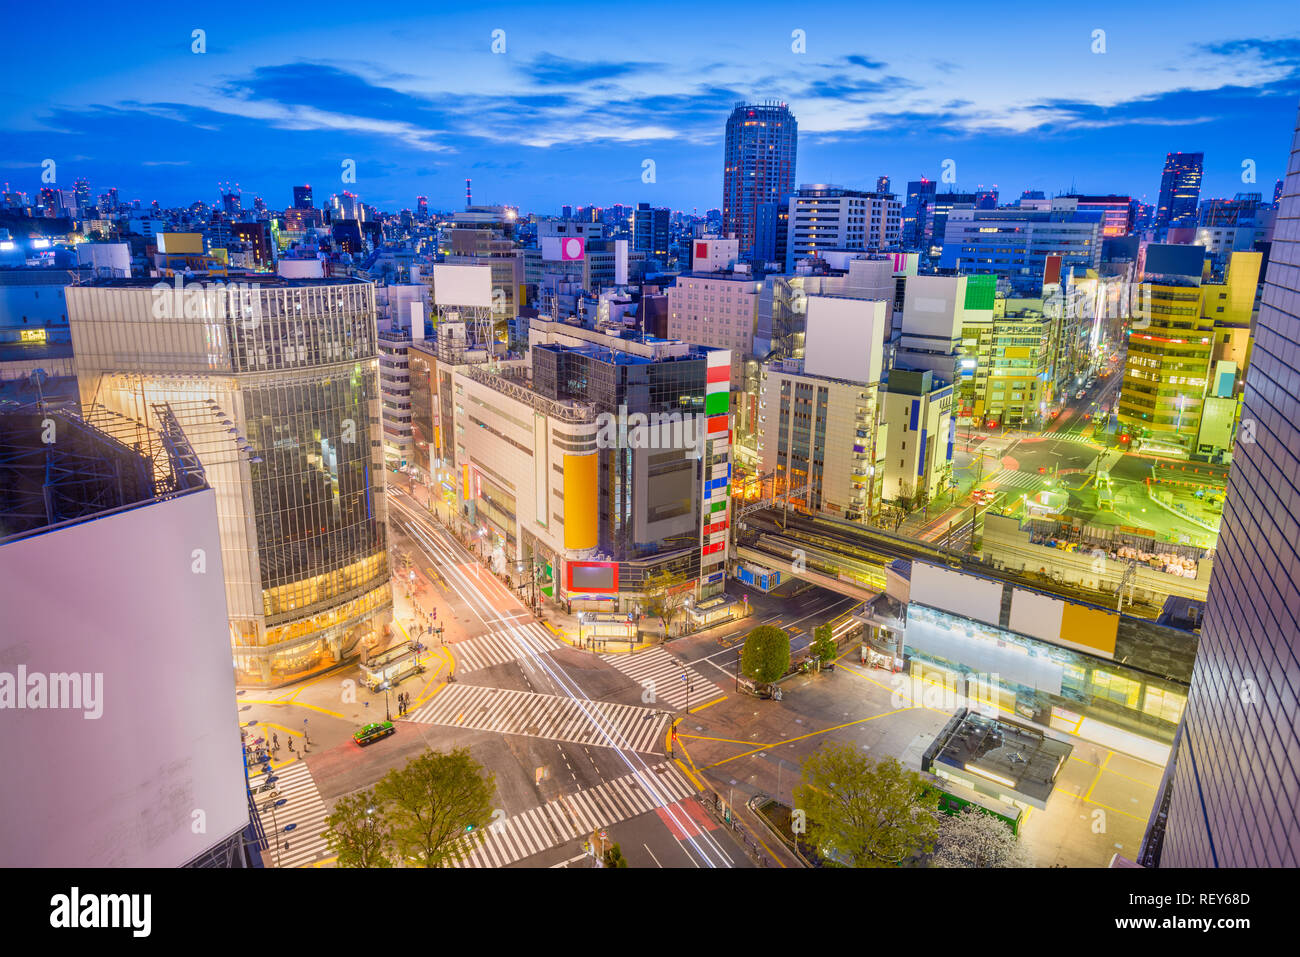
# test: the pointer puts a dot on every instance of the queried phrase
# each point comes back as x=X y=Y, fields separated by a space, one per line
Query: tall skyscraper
x=302 y=197
x=758 y=169
x=882 y=184
x=274 y=383
x=1235 y=778
x=1180 y=190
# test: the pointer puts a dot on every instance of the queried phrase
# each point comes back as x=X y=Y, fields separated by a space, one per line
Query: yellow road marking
x=811 y=734
x=296 y=704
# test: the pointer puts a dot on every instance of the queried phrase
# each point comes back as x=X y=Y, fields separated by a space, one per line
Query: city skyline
x=288 y=103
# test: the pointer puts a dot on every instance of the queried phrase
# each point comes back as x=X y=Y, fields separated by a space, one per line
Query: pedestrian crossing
x=500 y=647
x=577 y=815
x=292 y=813
x=660 y=676
x=578 y=720
x=1012 y=478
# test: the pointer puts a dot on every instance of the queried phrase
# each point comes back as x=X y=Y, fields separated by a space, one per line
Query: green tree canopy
x=358 y=831
x=766 y=654
x=437 y=805
x=976 y=839
x=614 y=857
x=862 y=812
x=823 y=645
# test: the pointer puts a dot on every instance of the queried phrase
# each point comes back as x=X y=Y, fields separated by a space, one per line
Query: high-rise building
x=1233 y=777
x=302 y=197
x=920 y=194
x=758 y=168
x=422 y=207
x=1117 y=212
x=1180 y=190
x=882 y=184
x=273 y=382
x=81 y=190
x=650 y=231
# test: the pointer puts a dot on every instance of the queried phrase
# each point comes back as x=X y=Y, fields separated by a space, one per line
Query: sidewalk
x=764 y=847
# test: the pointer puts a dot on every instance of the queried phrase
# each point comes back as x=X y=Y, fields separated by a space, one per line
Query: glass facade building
x=275 y=384
x=1236 y=776
x=1180 y=190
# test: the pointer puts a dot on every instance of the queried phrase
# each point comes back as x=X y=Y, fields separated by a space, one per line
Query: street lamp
x=387 y=714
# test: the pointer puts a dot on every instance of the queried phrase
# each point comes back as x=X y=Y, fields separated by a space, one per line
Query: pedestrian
x=291 y=745
x=275 y=740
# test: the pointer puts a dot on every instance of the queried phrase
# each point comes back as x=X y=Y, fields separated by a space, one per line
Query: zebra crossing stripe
x=566 y=818
x=579 y=720
x=500 y=647
x=303 y=808
x=665 y=671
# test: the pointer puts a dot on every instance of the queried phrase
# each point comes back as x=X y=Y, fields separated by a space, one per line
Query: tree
x=437 y=805
x=865 y=813
x=766 y=654
x=614 y=857
x=976 y=839
x=823 y=645
x=359 y=833
x=665 y=596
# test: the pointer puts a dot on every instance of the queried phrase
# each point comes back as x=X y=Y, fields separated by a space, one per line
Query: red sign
x=701 y=250
x=592 y=577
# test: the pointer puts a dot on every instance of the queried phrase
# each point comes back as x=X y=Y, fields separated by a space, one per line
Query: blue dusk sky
x=585 y=92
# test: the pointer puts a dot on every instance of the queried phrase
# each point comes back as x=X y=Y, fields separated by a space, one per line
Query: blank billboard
x=126 y=613
x=593 y=576
x=845 y=338
x=955 y=592
x=1036 y=615
x=462 y=285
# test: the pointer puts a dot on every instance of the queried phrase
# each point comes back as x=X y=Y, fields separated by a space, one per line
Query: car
x=1080 y=394
x=373 y=732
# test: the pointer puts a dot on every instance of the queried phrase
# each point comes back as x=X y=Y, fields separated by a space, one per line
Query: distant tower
x=469 y=196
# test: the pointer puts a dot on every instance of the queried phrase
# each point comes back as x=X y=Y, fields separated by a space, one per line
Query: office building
x=273 y=381
x=1015 y=244
x=1171 y=357
x=302 y=197
x=650 y=231
x=758 y=169
x=824 y=217
x=1180 y=190
x=917 y=413
x=916 y=211
x=1233 y=778
x=818 y=417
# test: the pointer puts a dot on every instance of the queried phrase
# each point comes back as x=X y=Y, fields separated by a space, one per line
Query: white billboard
x=1035 y=615
x=956 y=592
x=845 y=338
x=119 y=734
x=462 y=285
